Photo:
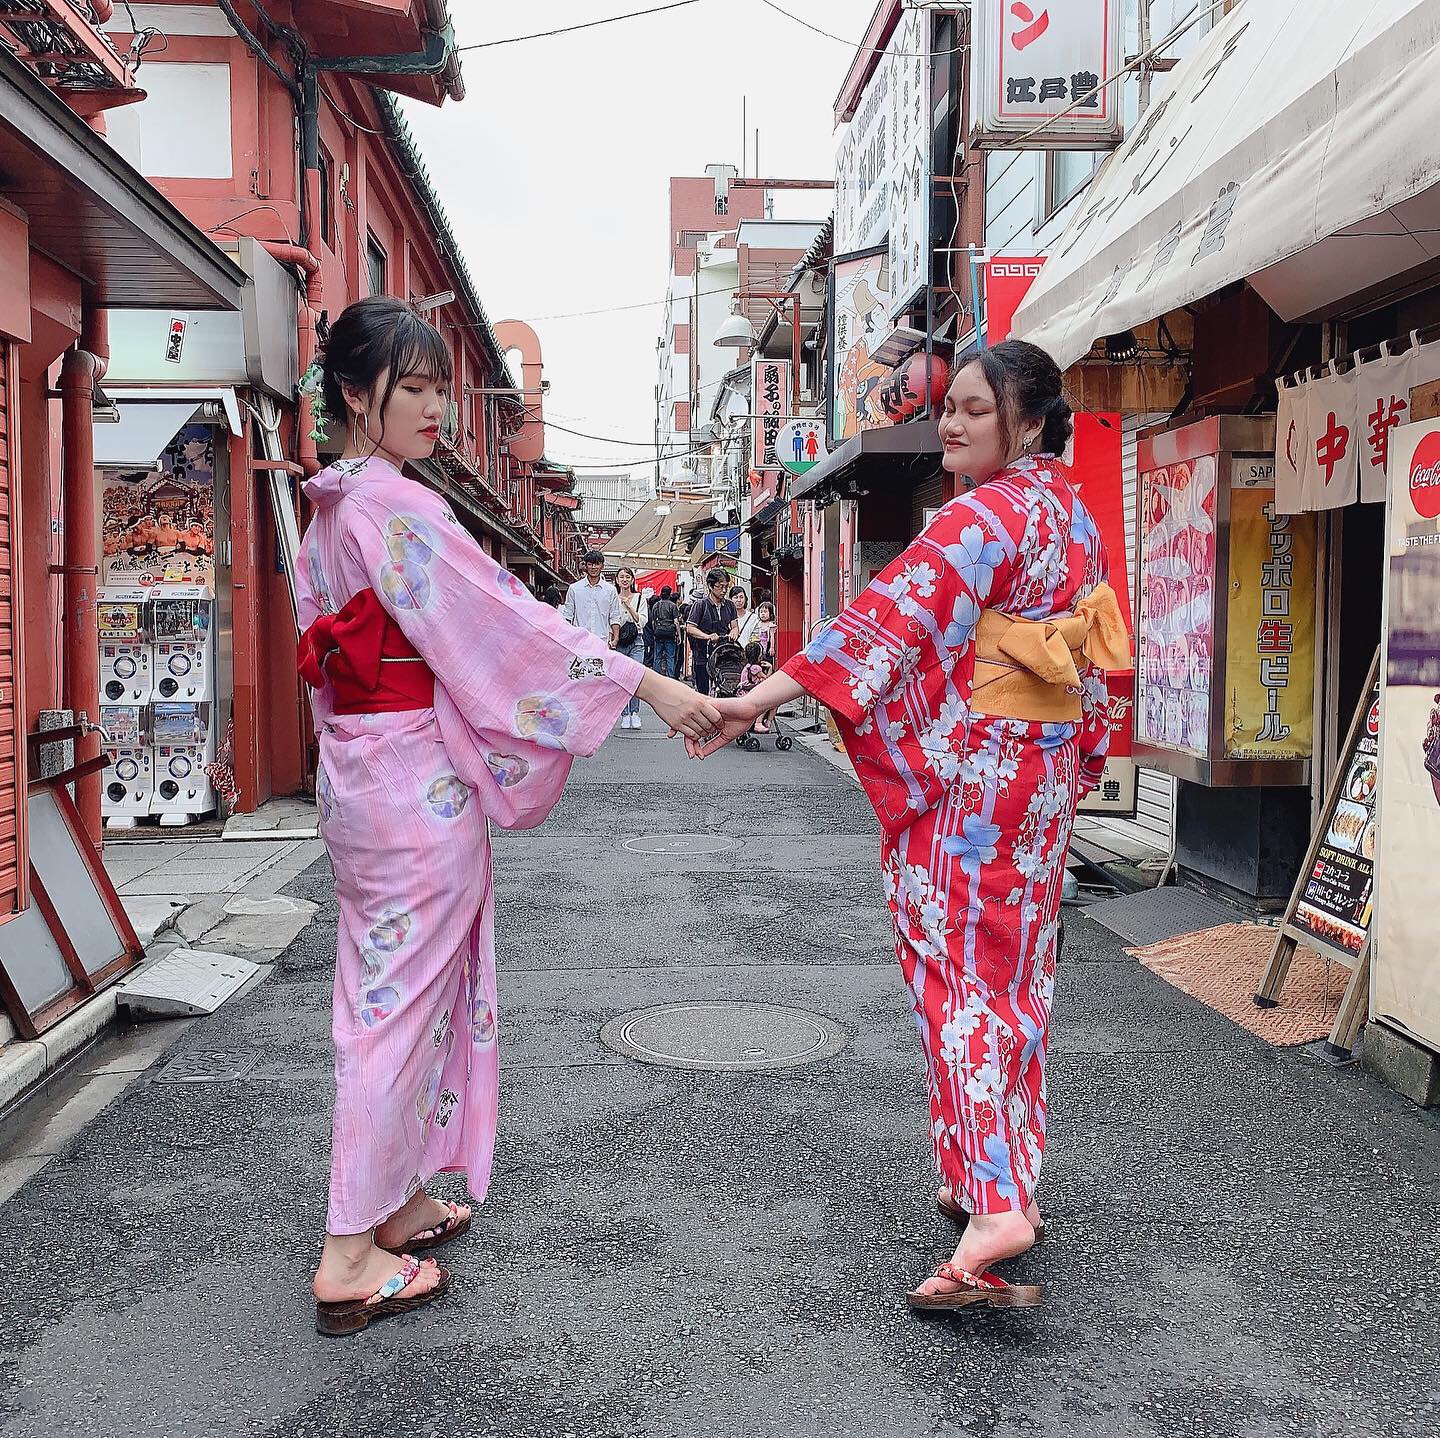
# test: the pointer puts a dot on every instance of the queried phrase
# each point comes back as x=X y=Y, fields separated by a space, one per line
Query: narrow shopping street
x=668 y=1253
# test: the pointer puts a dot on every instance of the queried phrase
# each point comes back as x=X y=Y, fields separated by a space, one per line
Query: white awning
x=1296 y=149
x=150 y=419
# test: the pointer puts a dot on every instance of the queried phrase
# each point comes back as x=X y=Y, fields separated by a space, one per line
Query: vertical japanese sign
x=1175 y=638
x=859 y=325
x=1051 y=63
x=1270 y=630
x=770 y=390
x=1405 y=974
x=912 y=169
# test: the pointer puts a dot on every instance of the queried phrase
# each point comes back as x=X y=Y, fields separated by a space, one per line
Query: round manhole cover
x=679 y=844
x=733 y=1036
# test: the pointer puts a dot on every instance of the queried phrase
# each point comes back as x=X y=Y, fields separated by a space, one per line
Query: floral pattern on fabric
x=409 y=798
x=975 y=811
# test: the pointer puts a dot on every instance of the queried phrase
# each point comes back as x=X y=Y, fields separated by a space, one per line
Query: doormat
x=1223 y=967
x=1151 y=915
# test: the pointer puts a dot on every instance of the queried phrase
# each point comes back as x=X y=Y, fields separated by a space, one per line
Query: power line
x=866 y=49
x=587 y=25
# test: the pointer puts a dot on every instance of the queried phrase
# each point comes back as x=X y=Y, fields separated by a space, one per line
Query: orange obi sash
x=1030 y=668
x=365 y=656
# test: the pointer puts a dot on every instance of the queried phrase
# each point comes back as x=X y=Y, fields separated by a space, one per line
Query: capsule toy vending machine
x=180 y=621
x=184 y=747
x=126 y=660
x=128 y=788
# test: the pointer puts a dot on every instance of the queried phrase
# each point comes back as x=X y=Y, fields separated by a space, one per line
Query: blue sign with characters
x=722 y=541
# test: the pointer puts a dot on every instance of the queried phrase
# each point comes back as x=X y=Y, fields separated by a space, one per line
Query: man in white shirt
x=593 y=603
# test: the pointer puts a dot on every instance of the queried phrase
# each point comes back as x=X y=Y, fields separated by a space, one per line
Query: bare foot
x=946 y=1199
x=988 y=1238
x=419 y=1215
x=346 y=1273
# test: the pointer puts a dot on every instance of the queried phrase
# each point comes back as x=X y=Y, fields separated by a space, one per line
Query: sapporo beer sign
x=1047 y=74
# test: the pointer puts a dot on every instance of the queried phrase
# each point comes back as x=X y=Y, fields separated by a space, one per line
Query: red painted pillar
x=82 y=567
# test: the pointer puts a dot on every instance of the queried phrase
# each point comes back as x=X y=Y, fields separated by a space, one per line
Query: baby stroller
x=727 y=660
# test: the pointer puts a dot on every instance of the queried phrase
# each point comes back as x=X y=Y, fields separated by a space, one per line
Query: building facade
x=277 y=130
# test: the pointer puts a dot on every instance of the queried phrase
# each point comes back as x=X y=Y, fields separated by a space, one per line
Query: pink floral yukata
x=405 y=805
x=976 y=811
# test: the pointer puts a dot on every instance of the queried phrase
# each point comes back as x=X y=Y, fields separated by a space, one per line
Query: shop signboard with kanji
x=1226 y=627
x=859 y=325
x=1270 y=639
x=1046 y=74
x=771 y=407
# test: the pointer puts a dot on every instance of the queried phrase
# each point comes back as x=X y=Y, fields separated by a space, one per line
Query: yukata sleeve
x=507 y=662
x=920 y=612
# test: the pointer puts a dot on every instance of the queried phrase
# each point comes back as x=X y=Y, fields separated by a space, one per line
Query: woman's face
x=625 y=579
x=971 y=429
x=738 y=599
x=410 y=425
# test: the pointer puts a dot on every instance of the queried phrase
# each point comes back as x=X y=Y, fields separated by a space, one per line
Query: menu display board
x=1338 y=889
x=1176 y=636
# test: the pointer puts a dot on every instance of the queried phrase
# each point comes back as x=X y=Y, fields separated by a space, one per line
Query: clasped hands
x=707 y=724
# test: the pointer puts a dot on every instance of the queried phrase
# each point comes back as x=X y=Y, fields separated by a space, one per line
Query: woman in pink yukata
x=446 y=698
x=967 y=683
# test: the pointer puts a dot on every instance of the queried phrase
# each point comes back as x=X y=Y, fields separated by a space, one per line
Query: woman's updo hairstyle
x=380 y=336
x=1028 y=386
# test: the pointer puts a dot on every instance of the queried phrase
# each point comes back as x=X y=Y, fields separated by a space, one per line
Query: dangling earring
x=1028 y=443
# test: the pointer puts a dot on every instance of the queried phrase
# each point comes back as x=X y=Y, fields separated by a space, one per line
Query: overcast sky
x=554 y=170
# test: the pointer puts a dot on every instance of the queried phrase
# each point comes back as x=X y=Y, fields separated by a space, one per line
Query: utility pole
x=1146 y=70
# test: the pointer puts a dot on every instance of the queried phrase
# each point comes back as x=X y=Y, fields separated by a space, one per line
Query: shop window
x=376 y=262
x=327 y=203
x=1067 y=172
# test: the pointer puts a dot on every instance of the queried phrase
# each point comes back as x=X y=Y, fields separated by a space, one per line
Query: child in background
x=755 y=672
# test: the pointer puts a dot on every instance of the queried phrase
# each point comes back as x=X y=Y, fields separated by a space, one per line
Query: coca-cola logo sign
x=1372 y=720
x=1425 y=477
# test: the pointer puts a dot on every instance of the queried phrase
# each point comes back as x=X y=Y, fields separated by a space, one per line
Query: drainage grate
x=679 y=844
x=1151 y=915
x=208 y=1066
x=724 y=1037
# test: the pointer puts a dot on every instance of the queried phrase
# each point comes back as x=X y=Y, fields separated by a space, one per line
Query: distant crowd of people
x=674 y=636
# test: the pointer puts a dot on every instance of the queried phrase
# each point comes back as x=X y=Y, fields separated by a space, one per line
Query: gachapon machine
x=183 y=746
x=128 y=788
x=126 y=662
x=184 y=665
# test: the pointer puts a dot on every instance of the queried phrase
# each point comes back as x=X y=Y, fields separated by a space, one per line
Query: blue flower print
x=975 y=844
x=1082 y=527
x=975 y=559
x=1034 y=1037
x=995 y=1168
x=1053 y=736
x=963 y=623
x=823 y=645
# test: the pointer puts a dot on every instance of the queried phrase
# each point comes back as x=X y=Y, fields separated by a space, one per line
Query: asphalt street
x=1241 y=1242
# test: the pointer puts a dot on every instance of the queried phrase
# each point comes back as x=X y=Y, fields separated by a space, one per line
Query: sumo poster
x=1405 y=989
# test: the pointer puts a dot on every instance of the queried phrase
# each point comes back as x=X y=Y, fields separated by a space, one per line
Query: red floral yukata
x=976 y=811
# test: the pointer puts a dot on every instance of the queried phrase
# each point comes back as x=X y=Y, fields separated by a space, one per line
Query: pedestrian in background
x=968 y=682
x=592 y=603
x=712 y=617
x=630 y=640
x=759 y=624
x=738 y=597
x=667 y=628
x=446 y=698
x=553 y=597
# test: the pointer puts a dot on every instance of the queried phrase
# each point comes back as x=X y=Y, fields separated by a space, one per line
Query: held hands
x=681 y=708
x=736 y=716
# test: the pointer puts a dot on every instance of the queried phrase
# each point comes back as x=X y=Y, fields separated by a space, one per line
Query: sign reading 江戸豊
x=1050 y=63
x=771 y=408
x=884 y=170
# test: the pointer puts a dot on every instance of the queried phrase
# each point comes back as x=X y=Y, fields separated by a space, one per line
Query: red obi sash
x=365 y=655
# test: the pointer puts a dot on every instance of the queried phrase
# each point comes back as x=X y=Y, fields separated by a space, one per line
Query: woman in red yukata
x=968 y=684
